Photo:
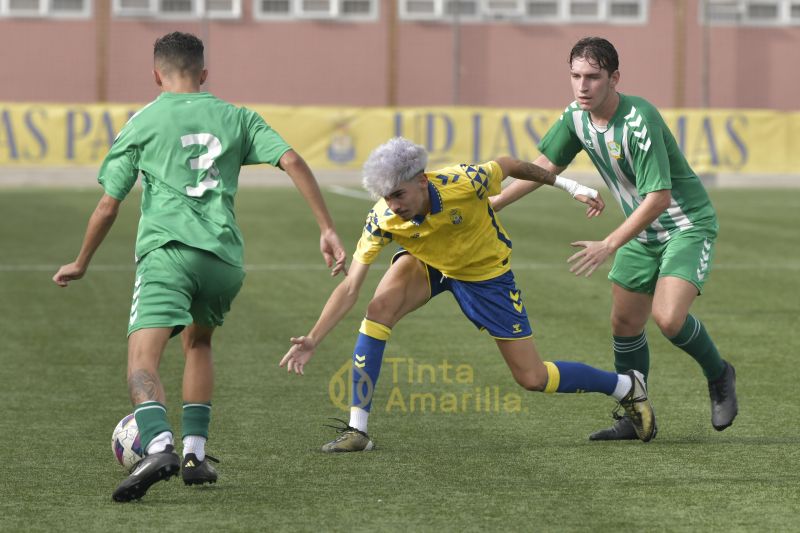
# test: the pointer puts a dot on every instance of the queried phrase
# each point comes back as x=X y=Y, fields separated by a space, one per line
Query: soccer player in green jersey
x=665 y=246
x=189 y=147
x=452 y=241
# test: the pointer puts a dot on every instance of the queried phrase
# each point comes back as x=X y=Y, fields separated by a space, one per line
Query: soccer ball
x=126 y=443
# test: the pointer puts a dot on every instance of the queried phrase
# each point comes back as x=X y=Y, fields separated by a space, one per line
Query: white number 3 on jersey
x=203 y=162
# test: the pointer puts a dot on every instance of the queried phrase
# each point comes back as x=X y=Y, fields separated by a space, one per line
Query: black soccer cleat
x=152 y=469
x=196 y=472
x=724 y=406
x=622 y=429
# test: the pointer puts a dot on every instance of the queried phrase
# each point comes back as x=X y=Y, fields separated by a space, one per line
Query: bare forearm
x=99 y=225
x=653 y=205
x=297 y=169
x=341 y=300
x=529 y=177
x=523 y=170
x=336 y=308
x=514 y=192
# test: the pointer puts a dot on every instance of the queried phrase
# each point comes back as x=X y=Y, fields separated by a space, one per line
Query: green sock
x=694 y=340
x=196 y=418
x=151 y=417
x=632 y=353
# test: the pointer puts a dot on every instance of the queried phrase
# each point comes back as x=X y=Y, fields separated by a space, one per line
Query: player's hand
x=299 y=354
x=333 y=251
x=595 y=205
x=495 y=203
x=68 y=273
x=586 y=261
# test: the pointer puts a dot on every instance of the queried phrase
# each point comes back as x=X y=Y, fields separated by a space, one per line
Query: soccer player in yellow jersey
x=451 y=241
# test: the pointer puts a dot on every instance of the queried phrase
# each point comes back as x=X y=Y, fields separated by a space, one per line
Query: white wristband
x=574 y=188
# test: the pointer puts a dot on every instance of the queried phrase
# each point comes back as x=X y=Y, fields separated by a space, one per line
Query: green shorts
x=177 y=285
x=687 y=255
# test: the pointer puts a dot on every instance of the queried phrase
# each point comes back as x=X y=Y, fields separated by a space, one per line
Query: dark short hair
x=180 y=51
x=596 y=51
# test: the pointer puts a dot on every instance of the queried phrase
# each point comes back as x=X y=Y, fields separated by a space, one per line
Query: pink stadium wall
x=335 y=63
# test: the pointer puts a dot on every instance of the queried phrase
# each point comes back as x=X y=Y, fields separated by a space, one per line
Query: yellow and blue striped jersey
x=461 y=236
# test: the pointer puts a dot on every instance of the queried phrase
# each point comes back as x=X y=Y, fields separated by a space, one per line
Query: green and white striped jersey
x=636 y=154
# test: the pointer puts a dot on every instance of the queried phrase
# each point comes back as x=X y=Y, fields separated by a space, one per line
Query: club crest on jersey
x=455 y=216
x=614 y=149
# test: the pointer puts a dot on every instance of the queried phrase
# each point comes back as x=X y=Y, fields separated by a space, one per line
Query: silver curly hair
x=391 y=164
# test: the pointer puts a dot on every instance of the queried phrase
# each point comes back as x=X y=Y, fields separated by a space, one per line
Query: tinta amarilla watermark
x=443 y=387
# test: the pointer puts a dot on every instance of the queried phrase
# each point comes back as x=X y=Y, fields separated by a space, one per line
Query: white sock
x=358 y=418
x=160 y=443
x=194 y=444
x=624 y=384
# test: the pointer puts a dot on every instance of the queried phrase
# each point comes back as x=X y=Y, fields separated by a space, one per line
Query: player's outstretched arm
x=99 y=224
x=594 y=253
x=341 y=300
x=535 y=175
x=512 y=193
x=520 y=188
x=329 y=242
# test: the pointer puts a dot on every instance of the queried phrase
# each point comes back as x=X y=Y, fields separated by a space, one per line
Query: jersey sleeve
x=373 y=240
x=486 y=179
x=496 y=177
x=120 y=168
x=265 y=145
x=649 y=153
x=560 y=144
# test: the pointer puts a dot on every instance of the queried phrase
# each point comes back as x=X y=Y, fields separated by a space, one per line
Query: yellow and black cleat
x=349 y=440
x=638 y=407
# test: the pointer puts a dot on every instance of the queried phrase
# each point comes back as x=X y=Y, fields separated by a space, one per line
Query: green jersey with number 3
x=189 y=148
x=636 y=154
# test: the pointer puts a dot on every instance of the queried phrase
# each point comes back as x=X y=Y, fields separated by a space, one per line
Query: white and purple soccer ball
x=126 y=443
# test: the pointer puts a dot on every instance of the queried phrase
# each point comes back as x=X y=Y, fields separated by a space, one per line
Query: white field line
x=351 y=193
x=281 y=267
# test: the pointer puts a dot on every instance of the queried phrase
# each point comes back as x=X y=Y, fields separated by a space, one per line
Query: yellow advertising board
x=714 y=141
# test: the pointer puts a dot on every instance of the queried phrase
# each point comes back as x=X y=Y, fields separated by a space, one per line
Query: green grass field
x=521 y=464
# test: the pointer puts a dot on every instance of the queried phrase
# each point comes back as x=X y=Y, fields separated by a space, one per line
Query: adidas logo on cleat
x=196 y=472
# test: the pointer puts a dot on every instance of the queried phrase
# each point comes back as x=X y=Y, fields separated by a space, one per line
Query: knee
x=139 y=361
x=669 y=323
x=196 y=339
x=383 y=310
x=532 y=380
x=195 y=345
x=627 y=325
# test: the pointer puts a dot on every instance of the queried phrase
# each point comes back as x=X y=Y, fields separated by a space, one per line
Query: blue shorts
x=494 y=304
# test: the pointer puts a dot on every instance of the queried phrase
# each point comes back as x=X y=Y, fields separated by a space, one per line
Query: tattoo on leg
x=143 y=386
